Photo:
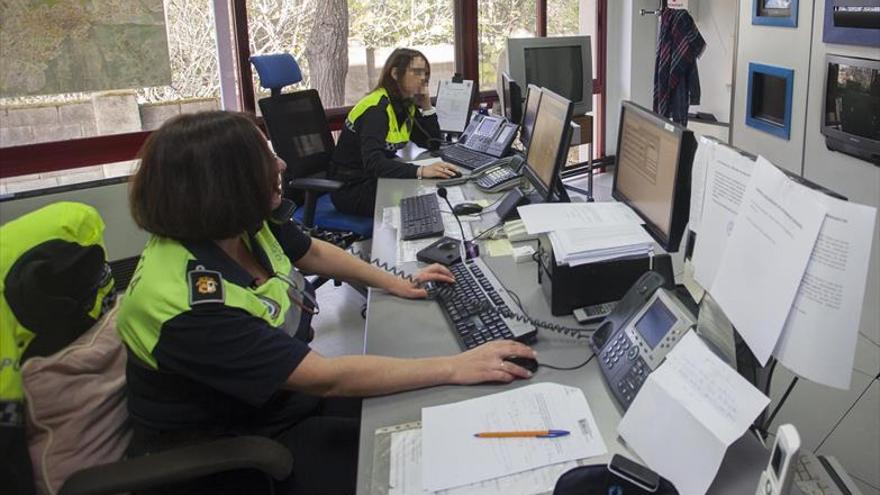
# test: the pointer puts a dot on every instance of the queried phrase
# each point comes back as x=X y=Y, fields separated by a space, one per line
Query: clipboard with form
x=453 y=104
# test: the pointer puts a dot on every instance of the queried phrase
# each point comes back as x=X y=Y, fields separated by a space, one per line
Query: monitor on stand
x=530 y=111
x=548 y=147
x=653 y=172
x=511 y=99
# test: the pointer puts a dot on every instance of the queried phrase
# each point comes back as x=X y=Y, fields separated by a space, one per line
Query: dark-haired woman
x=216 y=315
x=397 y=111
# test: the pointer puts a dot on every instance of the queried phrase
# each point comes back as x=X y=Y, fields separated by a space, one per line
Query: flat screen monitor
x=548 y=147
x=562 y=64
x=511 y=99
x=851 y=108
x=652 y=176
x=533 y=99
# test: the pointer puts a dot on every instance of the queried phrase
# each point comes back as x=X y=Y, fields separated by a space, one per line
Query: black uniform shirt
x=220 y=368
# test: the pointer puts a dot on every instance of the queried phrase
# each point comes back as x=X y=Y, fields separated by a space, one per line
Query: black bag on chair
x=598 y=480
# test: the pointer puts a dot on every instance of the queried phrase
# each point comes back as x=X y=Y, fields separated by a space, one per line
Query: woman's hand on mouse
x=431 y=273
x=486 y=363
x=439 y=170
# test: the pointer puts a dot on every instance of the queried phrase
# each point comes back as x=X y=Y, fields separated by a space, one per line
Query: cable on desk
x=567 y=368
x=576 y=333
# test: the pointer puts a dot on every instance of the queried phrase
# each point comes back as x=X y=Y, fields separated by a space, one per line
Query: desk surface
x=424 y=332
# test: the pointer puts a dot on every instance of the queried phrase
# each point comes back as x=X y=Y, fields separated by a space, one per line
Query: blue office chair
x=300 y=135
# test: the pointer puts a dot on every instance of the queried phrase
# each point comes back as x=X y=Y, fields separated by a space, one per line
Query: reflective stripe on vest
x=397 y=136
x=159 y=291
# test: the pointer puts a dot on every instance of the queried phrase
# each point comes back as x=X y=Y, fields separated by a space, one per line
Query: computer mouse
x=467 y=209
x=524 y=362
x=455 y=174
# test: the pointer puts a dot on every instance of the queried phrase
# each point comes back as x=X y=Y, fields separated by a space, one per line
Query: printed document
x=704 y=155
x=405 y=474
x=452 y=456
x=549 y=217
x=727 y=177
x=453 y=105
x=819 y=338
x=687 y=413
x=766 y=256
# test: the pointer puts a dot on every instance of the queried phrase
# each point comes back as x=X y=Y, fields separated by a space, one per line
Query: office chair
x=300 y=135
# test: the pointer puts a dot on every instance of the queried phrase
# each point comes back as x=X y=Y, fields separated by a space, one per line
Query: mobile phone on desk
x=593 y=313
x=624 y=470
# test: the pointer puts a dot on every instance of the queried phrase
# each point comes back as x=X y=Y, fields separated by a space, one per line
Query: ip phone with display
x=638 y=334
x=489 y=134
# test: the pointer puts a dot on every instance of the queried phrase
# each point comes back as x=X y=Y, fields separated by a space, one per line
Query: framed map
x=62 y=47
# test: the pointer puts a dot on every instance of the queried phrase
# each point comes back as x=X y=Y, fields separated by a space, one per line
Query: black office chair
x=300 y=135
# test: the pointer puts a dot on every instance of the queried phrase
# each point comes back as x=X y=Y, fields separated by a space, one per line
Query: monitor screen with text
x=647 y=167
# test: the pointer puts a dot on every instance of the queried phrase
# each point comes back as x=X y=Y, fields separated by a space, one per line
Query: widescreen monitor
x=533 y=99
x=548 y=147
x=511 y=99
x=652 y=176
x=562 y=64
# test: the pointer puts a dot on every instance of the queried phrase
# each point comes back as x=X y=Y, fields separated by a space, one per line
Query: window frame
x=99 y=150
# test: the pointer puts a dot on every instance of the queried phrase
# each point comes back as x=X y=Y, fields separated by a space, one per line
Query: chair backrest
x=299 y=131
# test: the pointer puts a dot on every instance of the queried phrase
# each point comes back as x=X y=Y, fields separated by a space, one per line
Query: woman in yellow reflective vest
x=216 y=316
x=397 y=111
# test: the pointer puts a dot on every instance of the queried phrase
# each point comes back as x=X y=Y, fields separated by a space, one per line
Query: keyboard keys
x=420 y=217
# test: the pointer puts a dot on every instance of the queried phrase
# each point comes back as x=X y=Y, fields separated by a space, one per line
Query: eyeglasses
x=299 y=295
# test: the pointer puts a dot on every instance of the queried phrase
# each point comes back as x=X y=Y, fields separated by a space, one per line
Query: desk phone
x=489 y=134
x=638 y=334
x=499 y=175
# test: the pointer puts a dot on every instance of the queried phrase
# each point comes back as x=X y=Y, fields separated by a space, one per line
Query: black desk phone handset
x=489 y=134
x=635 y=338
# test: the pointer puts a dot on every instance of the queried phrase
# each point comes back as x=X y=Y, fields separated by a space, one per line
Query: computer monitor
x=562 y=64
x=548 y=147
x=652 y=176
x=511 y=99
x=850 y=118
x=533 y=99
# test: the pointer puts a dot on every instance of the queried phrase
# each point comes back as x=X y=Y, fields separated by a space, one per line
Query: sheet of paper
x=727 y=177
x=704 y=155
x=405 y=477
x=452 y=456
x=766 y=256
x=687 y=413
x=579 y=246
x=499 y=247
x=453 y=104
x=829 y=300
x=549 y=217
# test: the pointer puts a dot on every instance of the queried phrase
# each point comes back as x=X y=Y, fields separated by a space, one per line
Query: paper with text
x=704 y=155
x=452 y=456
x=405 y=476
x=766 y=256
x=549 y=217
x=727 y=177
x=687 y=413
x=819 y=338
x=453 y=104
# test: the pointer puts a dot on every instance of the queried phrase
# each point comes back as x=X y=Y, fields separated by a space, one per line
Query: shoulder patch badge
x=271 y=306
x=205 y=286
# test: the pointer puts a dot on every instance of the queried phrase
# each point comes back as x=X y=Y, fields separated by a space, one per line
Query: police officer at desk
x=217 y=315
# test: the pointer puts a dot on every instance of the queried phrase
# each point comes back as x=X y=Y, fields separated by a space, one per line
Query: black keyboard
x=420 y=217
x=465 y=157
x=474 y=320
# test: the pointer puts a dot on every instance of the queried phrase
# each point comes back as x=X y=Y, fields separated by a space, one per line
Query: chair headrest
x=277 y=70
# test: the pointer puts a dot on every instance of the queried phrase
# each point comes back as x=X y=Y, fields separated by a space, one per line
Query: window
x=83 y=82
x=498 y=20
x=343 y=60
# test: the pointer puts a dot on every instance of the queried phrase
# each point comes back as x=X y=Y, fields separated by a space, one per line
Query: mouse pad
x=444 y=250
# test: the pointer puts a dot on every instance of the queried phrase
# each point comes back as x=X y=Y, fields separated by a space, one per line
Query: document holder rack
x=570 y=287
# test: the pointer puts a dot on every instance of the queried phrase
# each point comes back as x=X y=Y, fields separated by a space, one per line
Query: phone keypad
x=496 y=177
x=616 y=351
x=631 y=383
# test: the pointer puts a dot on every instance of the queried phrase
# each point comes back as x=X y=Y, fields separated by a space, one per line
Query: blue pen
x=523 y=434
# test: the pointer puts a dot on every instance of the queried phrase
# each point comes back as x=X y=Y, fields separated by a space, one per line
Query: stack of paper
x=580 y=246
x=453 y=457
x=588 y=232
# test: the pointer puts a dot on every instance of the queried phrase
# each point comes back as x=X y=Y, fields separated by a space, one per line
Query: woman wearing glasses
x=397 y=111
x=217 y=315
